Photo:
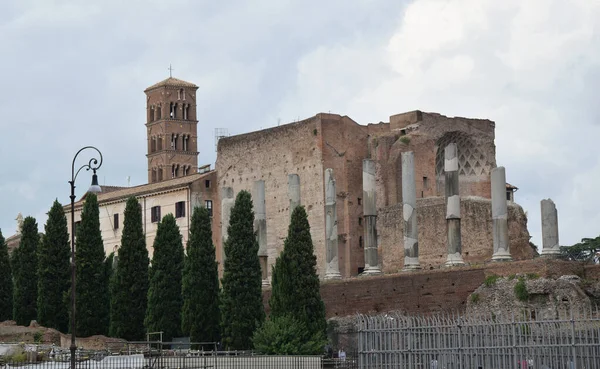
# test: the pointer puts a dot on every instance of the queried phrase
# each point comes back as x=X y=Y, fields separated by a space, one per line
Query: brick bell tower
x=172 y=129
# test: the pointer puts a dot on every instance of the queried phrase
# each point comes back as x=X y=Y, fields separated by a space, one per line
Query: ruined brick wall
x=344 y=150
x=305 y=148
x=429 y=291
x=427 y=134
x=476 y=231
x=271 y=155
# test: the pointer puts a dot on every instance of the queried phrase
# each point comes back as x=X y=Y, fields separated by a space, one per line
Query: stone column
x=500 y=216
x=227 y=202
x=293 y=191
x=332 y=270
x=370 y=215
x=409 y=207
x=260 y=227
x=452 y=206
x=550 y=245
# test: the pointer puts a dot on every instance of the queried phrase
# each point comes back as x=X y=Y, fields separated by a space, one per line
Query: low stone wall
x=430 y=291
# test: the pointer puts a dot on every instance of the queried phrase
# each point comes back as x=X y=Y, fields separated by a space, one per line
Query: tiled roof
x=172 y=82
x=125 y=192
x=511 y=187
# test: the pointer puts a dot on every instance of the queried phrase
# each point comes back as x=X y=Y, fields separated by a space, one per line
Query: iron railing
x=525 y=340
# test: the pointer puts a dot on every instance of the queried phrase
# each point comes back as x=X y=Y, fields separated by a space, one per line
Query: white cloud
x=523 y=64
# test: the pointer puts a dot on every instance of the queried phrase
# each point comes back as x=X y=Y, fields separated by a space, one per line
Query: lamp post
x=93 y=164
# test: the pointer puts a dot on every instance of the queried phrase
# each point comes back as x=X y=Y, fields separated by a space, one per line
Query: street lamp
x=95 y=188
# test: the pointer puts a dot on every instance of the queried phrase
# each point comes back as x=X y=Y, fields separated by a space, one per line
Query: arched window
x=160 y=142
x=181 y=94
x=153 y=144
x=160 y=174
x=172 y=112
x=158 y=114
x=153 y=174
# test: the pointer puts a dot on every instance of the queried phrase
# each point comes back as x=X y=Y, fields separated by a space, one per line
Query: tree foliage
x=92 y=299
x=6 y=283
x=285 y=335
x=295 y=283
x=54 y=271
x=587 y=250
x=129 y=286
x=242 y=310
x=24 y=267
x=200 y=316
x=164 y=293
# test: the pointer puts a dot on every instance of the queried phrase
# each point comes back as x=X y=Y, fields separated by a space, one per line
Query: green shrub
x=405 y=140
x=491 y=280
x=532 y=276
x=521 y=290
x=475 y=298
x=285 y=335
x=37 y=337
x=512 y=277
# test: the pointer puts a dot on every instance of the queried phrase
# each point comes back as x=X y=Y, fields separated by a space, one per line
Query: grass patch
x=405 y=140
x=491 y=280
x=475 y=298
x=521 y=290
x=512 y=276
x=532 y=276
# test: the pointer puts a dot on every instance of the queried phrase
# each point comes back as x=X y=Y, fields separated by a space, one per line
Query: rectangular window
x=508 y=193
x=359 y=201
x=77 y=226
x=180 y=209
x=425 y=184
x=207 y=183
x=359 y=220
x=208 y=204
x=116 y=221
x=155 y=214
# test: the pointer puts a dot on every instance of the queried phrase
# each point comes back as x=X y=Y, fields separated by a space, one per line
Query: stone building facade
x=177 y=196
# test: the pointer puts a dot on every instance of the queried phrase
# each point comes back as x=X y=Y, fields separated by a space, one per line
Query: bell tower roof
x=171 y=82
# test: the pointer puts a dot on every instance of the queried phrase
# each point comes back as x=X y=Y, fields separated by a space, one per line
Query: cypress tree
x=6 y=283
x=25 y=274
x=54 y=271
x=200 y=316
x=242 y=310
x=92 y=311
x=130 y=281
x=164 y=293
x=295 y=283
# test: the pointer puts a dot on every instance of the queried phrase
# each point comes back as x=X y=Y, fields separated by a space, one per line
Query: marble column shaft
x=332 y=270
x=370 y=216
x=227 y=202
x=500 y=216
x=260 y=226
x=452 y=206
x=293 y=191
x=550 y=243
x=409 y=210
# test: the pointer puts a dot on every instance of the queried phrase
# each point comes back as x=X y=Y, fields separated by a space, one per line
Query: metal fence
x=164 y=359
x=526 y=340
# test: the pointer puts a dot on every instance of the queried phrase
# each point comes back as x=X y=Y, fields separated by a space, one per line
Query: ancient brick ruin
x=370 y=215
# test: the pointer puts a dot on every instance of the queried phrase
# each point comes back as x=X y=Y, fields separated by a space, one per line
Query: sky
x=72 y=73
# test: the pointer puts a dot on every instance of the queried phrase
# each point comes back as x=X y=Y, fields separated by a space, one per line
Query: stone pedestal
x=409 y=207
x=260 y=227
x=550 y=244
x=332 y=270
x=454 y=257
x=500 y=216
x=372 y=266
